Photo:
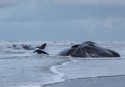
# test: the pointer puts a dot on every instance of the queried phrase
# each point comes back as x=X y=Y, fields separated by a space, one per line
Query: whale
x=40 y=49
x=88 y=49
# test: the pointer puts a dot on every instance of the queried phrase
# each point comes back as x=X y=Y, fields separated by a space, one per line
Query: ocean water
x=23 y=68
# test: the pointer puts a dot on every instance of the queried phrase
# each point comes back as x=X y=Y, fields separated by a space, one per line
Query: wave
x=93 y=67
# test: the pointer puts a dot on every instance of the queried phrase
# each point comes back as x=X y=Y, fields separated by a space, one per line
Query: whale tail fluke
x=42 y=46
x=40 y=52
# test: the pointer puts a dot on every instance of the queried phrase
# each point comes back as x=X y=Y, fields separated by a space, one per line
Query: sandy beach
x=108 y=81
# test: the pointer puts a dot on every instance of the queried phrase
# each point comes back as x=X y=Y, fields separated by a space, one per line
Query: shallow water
x=19 y=66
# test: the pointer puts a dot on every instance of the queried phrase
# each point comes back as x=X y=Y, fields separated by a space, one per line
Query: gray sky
x=76 y=20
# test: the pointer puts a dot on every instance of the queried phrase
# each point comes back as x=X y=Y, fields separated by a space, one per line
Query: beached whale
x=40 y=49
x=89 y=49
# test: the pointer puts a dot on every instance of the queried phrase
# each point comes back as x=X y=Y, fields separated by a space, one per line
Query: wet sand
x=108 y=81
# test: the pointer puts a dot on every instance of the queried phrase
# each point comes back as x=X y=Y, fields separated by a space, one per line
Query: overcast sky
x=76 y=20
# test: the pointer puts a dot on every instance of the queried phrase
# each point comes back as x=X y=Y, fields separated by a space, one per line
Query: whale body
x=89 y=49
